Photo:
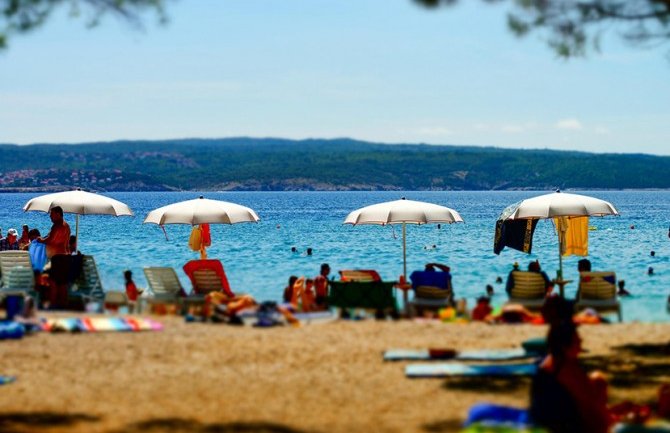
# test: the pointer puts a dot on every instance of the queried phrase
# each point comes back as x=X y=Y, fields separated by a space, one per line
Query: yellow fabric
x=576 y=237
x=195 y=240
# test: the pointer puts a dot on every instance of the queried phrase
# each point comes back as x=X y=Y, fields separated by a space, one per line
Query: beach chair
x=17 y=276
x=528 y=290
x=115 y=300
x=432 y=291
x=365 y=290
x=597 y=290
x=207 y=276
x=165 y=287
x=86 y=283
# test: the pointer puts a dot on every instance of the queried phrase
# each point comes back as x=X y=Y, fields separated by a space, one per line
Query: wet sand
x=326 y=377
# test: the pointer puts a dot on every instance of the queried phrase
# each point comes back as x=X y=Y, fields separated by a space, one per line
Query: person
x=24 y=240
x=535 y=267
x=650 y=271
x=131 y=289
x=72 y=245
x=294 y=250
x=584 y=265
x=288 y=290
x=489 y=290
x=58 y=248
x=498 y=279
x=652 y=253
x=482 y=310
x=563 y=397
x=58 y=239
x=308 y=297
x=309 y=251
x=622 y=290
x=11 y=242
x=321 y=287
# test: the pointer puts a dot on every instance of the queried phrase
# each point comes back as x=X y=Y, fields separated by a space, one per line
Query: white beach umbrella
x=403 y=212
x=201 y=211
x=562 y=206
x=80 y=203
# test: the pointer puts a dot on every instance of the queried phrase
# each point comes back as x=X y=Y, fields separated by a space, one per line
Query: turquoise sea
x=258 y=257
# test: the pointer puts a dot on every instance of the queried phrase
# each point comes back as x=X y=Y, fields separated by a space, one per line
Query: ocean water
x=258 y=257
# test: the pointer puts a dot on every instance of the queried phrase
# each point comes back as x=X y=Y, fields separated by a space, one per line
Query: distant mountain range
x=338 y=164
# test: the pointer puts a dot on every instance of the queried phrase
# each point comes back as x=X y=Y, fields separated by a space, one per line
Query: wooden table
x=561 y=285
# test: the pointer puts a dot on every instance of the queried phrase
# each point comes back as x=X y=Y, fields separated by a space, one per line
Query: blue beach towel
x=6 y=379
x=457 y=369
x=38 y=255
x=465 y=355
x=11 y=330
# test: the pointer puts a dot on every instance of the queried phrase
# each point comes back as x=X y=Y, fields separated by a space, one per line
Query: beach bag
x=195 y=240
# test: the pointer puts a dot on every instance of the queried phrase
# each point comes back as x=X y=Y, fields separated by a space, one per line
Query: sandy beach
x=326 y=377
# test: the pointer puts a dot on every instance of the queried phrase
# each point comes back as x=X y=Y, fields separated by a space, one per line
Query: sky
x=377 y=70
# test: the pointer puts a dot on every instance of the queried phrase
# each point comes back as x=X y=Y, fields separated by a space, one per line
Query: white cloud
x=569 y=124
x=601 y=130
x=513 y=129
x=434 y=131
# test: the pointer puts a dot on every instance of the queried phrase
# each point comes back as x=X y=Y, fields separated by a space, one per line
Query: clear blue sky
x=378 y=70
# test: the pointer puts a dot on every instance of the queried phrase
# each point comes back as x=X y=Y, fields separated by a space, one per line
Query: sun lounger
x=458 y=369
x=164 y=285
x=377 y=295
x=529 y=290
x=432 y=291
x=17 y=273
x=466 y=355
x=597 y=290
x=87 y=285
x=207 y=276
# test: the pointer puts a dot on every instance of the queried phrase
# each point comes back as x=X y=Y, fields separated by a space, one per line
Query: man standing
x=321 y=287
x=58 y=239
x=58 y=247
x=11 y=242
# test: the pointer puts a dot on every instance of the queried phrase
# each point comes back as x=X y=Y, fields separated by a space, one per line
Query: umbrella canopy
x=80 y=203
x=560 y=204
x=201 y=211
x=403 y=212
x=520 y=218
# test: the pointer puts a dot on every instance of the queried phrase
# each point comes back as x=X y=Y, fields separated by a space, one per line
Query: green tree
x=574 y=27
x=21 y=16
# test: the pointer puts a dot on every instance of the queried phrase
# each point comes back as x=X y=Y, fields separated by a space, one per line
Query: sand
x=326 y=377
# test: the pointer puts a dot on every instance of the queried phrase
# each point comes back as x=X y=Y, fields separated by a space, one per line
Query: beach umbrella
x=78 y=202
x=520 y=218
x=201 y=211
x=403 y=212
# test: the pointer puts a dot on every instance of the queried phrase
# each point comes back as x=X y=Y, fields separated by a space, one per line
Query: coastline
x=315 y=378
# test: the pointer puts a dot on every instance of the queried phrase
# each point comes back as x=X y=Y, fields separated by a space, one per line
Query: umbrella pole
x=76 y=229
x=404 y=267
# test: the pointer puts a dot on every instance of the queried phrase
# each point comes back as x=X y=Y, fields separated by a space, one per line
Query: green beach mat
x=457 y=369
x=488 y=428
x=465 y=355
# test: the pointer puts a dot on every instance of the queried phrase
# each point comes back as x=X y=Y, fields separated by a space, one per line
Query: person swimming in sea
x=622 y=290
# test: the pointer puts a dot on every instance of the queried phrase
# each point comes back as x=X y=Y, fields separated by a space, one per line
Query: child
x=482 y=310
x=622 y=290
x=308 y=297
x=131 y=290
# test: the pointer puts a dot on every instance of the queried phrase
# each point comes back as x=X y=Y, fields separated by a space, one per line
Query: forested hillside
x=276 y=164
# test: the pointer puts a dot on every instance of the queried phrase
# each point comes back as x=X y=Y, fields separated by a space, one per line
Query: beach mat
x=6 y=379
x=458 y=369
x=101 y=324
x=465 y=355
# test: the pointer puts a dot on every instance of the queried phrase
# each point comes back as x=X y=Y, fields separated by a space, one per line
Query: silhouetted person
x=489 y=290
x=622 y=290
x=650 y=271
x=652 y=253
